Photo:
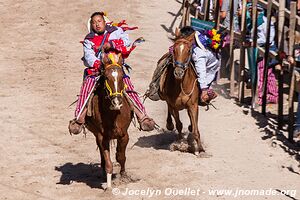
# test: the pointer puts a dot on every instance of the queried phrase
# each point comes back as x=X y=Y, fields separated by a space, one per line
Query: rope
x=182 y=90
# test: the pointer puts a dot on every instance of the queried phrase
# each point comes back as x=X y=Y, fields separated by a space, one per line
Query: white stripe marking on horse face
x=181 y=47
x=115 y=75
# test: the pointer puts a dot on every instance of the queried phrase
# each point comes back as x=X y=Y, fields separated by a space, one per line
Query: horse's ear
x=191 y=37
x=120 y=59
x=177 y=32
x=105 y=59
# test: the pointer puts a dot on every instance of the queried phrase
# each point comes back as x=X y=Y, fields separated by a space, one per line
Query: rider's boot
x=75 y=125
x=206 y=96
x=146 y=123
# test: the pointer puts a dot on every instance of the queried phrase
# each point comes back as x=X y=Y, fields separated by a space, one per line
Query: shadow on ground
x=162 y=140
x=268 y=124
x=90 y=174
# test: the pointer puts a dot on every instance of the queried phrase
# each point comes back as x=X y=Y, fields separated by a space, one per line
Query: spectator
x=272 y=89
x=225 y=13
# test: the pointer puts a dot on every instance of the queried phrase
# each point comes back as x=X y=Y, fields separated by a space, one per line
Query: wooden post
x=184 y=10
x=231 y=56
x=206 y=9
x=217 y=14
x=254 y=78
x=266 y=60
x=215 y=4
x=292 y=84
x=280 y=72
x=188 y=10
x=197 y=12
x=242 y=54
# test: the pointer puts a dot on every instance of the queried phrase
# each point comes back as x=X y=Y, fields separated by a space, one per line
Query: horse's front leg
x=99 y=139
x=170 y=125
x=193 y=114
x=178 y=124
x=108 y=162
x=121 y=149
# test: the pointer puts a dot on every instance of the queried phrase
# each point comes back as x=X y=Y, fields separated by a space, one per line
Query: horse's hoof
x=170 y=126
x=203 y=154
x=108 y=190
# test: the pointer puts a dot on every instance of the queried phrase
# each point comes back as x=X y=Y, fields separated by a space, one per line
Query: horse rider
x=102 y=37
x=206 y=58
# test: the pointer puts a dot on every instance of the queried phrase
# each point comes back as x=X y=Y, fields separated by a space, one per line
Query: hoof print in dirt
x=108 y=190
x=188 y=145
x=124 y=178
x=181 y=145
x=203 y=155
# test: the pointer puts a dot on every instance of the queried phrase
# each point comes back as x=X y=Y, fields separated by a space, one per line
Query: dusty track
x=41 y=74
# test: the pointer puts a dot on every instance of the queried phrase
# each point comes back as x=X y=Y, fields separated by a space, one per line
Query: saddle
x=158 y=77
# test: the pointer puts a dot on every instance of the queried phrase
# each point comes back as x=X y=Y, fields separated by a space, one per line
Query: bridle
x=182 y=65
x=112 y=94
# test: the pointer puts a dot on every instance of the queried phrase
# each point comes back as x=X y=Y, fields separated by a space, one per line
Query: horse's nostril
x=116 y=103
x=178 y=73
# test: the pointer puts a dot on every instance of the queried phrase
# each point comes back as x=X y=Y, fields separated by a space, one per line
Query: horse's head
x=182 y=53
x=114 y=84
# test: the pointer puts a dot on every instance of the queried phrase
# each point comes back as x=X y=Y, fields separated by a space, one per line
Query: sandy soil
x=40 y=75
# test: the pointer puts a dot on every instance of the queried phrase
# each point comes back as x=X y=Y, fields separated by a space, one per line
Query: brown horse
x=111 y=114
x=180 y=89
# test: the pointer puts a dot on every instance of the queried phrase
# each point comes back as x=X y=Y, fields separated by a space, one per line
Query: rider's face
x=98 y=23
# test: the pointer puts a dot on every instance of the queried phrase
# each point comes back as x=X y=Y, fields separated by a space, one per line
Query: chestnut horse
x=111 y=114
x=180 y=89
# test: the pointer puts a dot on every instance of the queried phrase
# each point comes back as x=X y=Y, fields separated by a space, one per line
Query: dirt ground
x=40 y=76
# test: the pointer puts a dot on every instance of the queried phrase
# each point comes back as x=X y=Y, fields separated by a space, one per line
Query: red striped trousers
x=88 y=84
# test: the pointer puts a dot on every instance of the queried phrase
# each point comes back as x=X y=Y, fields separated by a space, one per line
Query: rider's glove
x=97 y=65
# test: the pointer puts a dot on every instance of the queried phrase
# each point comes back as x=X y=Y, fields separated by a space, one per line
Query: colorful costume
x=92 y=44
x=206 y=57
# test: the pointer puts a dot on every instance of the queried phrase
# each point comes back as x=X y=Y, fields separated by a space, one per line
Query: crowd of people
x=256 y=64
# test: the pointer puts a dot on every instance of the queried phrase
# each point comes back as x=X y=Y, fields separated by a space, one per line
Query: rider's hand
x=107 y=46
x=97 y=64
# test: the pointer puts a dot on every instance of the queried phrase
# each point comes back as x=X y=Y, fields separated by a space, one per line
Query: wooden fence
x=283 y=68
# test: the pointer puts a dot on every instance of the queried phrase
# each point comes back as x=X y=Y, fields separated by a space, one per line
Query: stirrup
x=210 y=94
x=147 y=124
x=75 y=127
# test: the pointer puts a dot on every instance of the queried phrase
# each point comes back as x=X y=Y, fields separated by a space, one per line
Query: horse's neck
x=190 y=74
x=174 y=86
x=173 y=81
x=189 y=80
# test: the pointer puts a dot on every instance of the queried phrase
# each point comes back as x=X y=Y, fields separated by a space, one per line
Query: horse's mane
x=186 y=31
